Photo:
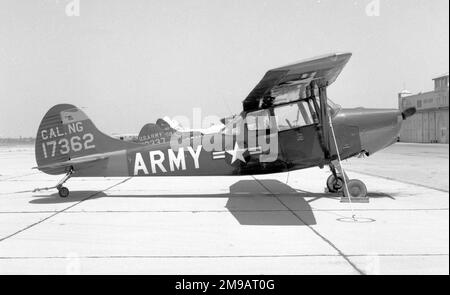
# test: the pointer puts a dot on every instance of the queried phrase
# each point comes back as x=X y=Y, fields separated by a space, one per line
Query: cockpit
x=286 y=116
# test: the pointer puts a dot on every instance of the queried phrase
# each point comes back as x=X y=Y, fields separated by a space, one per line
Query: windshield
x=333 y=107
x=292 y=115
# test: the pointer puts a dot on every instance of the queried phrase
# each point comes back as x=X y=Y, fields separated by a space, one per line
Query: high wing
x=323 y=70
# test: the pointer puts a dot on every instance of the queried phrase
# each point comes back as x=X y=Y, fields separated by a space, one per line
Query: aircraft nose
x=378 y=128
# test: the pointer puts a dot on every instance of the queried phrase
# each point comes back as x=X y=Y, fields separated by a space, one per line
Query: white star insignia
x=237 y=153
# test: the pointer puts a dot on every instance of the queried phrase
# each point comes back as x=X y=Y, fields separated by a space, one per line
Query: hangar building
x=431 y=123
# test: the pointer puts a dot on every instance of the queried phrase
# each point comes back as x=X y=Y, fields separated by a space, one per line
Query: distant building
x=17 y=141
x=431 y=122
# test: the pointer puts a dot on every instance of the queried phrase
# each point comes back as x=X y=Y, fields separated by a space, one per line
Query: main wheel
x=357 y=188
x=335 y=185
x=63 y=192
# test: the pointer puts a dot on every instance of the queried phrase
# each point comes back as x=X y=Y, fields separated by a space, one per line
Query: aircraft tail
x=67 y=135
x=158 y=133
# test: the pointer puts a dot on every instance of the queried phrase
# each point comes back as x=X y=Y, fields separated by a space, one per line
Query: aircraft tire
x=63 y=192
x=334 y=185
x=357 y=188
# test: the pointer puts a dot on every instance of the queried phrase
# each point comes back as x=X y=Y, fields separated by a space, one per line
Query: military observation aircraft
x=288 y=108
x=163 y=130
x=158 y=133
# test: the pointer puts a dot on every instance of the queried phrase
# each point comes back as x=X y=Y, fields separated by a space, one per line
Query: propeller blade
x=408 y=112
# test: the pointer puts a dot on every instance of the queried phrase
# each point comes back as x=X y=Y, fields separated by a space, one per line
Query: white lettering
x=79 y=126
x=157 y=162
x=139 y=164
x=76 y=144
x=58 y=132
x=177 y=161
x=195 y=155
x=52 y=133
x=71 y=128
x=44 y=135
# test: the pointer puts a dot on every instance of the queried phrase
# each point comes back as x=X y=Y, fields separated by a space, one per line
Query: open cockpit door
x=298 y=133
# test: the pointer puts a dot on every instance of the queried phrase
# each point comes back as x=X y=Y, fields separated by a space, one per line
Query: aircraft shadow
x=263 y=202
x=269 y=202
x=75 y=196
x=251 y=202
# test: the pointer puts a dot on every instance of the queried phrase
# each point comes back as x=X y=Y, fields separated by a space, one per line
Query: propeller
x=408 y=112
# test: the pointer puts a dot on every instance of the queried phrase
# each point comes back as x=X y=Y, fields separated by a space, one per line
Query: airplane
x=176 y=126
x=163 y=130
x=156 y=133
x=125 y=136
x=287 y=123
x=151 y=133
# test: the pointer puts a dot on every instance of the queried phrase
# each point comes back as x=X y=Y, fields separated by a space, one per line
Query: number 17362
x=64 y=146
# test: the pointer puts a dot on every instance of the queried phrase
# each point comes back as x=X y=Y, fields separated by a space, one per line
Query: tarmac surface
x=271 y=224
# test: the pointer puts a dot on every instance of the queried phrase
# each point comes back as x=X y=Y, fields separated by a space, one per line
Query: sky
x=128 y=63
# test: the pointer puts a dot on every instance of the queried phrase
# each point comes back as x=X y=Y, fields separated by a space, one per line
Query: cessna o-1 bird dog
x=287 y=123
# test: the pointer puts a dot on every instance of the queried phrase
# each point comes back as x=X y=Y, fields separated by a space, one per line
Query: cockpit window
x=258 y=120
x=333 y=108
x=294 y=115
x=302 y=113
x=305 y=112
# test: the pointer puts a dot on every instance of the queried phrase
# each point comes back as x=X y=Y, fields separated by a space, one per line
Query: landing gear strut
x=62 y=190
x=335 y=182
x=357 y=190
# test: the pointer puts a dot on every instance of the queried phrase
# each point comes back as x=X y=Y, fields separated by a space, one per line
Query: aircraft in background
x=126 y=136
x=162 y=132
x=289 y=106
x=156 y=133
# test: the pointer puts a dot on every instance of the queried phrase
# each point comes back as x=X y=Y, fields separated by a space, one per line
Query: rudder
x=65 y=133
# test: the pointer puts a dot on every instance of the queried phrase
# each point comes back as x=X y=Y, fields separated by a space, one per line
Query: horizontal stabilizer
x=78 y=161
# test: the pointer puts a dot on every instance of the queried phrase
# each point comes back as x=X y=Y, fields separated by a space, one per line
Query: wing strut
x=323 y=129
x=324 y=117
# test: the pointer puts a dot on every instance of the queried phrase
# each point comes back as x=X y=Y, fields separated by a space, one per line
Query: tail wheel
x=357 y=188
x=335 y=185
x=63 y=192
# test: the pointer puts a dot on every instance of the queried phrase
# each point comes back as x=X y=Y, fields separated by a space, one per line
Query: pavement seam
x=61 y=211
x=397 y=180
x=221 y=211
x=17 y=176
x=313 y=230
x=218 y=256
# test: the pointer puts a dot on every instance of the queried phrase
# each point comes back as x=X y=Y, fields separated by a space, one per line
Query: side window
x=419 y=103
x=305 y=112
x=258 y=120
x=294 y=115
